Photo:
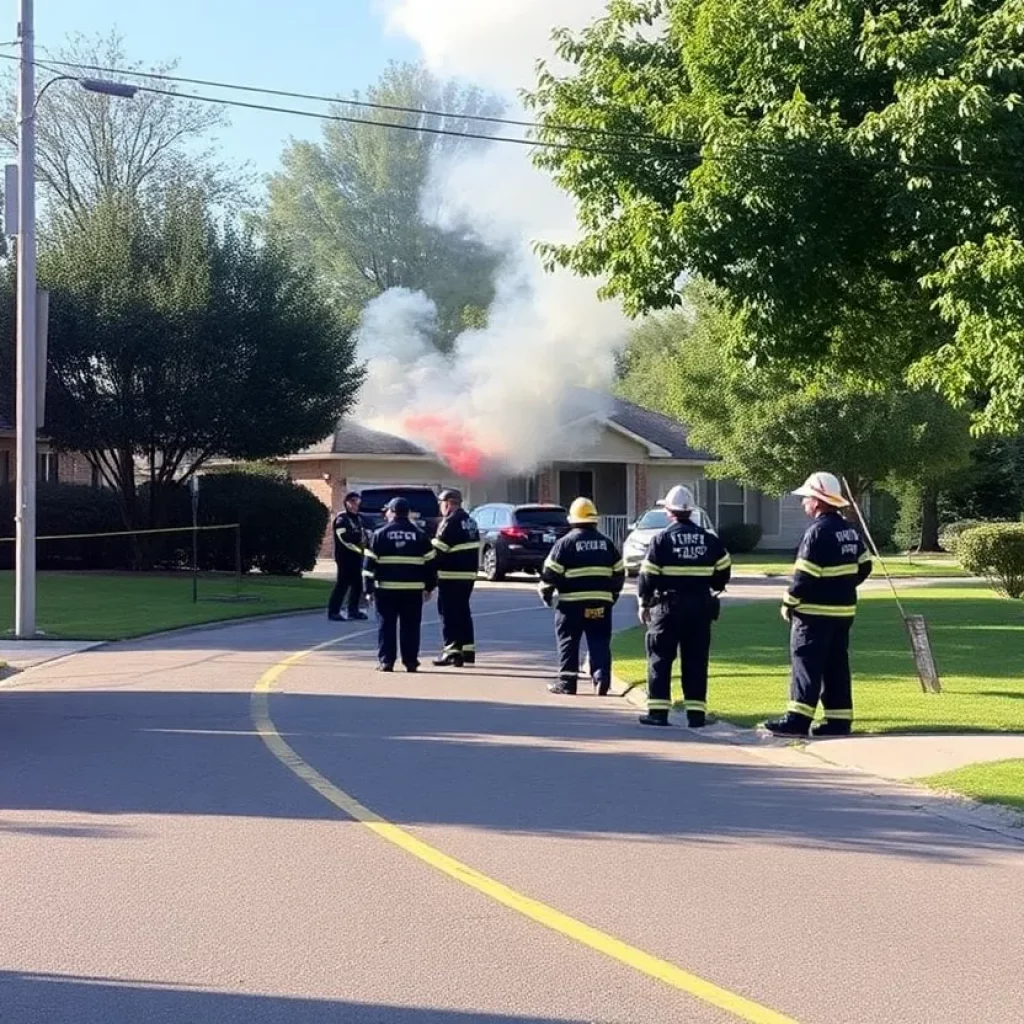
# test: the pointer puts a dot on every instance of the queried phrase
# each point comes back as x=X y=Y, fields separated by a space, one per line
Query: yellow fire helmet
x=581 y=511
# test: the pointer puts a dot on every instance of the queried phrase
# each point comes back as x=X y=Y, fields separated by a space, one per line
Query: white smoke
x=513 y=385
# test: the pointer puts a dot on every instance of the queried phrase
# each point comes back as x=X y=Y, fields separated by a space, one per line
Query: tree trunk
x=929 y=519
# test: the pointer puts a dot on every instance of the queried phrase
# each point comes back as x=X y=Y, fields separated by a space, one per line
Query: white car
x=653 y=521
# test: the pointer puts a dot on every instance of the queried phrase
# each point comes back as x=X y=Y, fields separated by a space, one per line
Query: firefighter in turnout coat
x=685 y=568
x=400 y=576
x=457 y=544
x=349 y=538
x=582 y=579
x=820 y=606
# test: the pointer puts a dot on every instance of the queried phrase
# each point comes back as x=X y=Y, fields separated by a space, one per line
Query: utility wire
x=676 y=149
x=348 y=102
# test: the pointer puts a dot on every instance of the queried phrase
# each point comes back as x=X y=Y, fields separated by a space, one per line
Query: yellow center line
x=654 y=967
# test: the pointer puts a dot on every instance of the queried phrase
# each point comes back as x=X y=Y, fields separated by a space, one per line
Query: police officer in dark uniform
x=400 y=576
x=349 y=538
x=582 y=579
x=684 y=565
x=820 y=606
x=457 y=544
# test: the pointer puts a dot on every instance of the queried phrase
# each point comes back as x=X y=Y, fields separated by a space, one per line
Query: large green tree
x=173 y=340
x=770 y=432
x=848 y=172
x=358 y=205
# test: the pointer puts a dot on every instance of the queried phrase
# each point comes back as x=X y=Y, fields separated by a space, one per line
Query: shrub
x=949 y=536
x=282 y=524
x=740 y=538
x=65 y=509
x=996 y=552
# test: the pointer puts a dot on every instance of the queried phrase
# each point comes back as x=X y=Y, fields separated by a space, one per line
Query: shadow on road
x=585 y=771
x=47 y=997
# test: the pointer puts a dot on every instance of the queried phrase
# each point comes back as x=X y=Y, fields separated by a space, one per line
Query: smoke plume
x=501 y=400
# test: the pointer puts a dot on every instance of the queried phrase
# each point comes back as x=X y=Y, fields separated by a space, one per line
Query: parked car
x=425 y=509
x=634 y=548
x=517 y=538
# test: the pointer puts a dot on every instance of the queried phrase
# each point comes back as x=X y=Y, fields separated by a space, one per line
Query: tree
x=846 y=172
x=770 y=432
x=92 y=147
x=173 y=340
x=359 y=205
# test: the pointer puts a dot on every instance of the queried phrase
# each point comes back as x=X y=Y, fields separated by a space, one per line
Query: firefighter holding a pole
x=820 y=606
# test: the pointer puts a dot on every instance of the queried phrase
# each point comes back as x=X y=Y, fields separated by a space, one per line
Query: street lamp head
x=108 y=88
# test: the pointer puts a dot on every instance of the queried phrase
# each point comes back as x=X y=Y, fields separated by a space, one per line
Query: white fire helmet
x=825 y=487
x=679 y=499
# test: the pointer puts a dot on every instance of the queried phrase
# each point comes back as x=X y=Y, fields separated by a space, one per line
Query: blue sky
x=316 y=46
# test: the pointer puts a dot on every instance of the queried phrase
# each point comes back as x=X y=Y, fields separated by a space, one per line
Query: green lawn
x=767 y=563
x=977 y=638
x=994 y=782
x=96 y=606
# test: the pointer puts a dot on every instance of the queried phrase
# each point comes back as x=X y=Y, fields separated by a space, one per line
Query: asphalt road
x=159 y=864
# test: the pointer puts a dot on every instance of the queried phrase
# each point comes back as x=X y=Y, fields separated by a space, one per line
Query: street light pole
x=25 y=502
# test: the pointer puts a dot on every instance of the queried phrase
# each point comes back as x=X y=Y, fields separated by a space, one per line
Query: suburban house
x=632 y=457
x=51 y=466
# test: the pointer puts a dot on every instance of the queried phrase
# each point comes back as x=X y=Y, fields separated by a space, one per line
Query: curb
x=945 y=804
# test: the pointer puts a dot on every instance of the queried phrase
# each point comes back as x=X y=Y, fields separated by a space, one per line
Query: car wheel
x=493 y=571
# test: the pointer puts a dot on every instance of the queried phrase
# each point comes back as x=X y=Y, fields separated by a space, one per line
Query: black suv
x=423 y=504
x=514 y=538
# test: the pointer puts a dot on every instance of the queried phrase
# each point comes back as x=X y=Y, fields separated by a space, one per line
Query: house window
x=522 y=490
x=732 y=503
x=96 y=477
x=5 y=467
x=47 y=469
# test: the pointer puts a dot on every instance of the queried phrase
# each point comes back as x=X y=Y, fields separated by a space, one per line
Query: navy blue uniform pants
x=685 y=630
x=572 y=623
x=399 y=615
x=453 y=597
x=348 y=588
x=819 y=648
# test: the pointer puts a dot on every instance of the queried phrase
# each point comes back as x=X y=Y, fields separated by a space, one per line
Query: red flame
x=451 y=442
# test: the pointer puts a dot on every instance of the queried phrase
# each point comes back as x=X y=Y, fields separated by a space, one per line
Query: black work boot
x=469 y=658
x=654 y=718
x=790 y=725
x=832 y=727
x=382 y=667
x=453 y=658
x=696 y=719
x=414 y=667
x=358 y=616
x=563 y=687
x=601 y=687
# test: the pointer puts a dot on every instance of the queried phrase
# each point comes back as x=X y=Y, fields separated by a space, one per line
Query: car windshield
x=541 y=517
x=422 y=502
x=656 y=519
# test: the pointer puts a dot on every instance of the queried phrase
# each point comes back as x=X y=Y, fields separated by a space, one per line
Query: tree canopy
x=173 y=340
x=770 y=433
x=848 y=173
x=358 y=206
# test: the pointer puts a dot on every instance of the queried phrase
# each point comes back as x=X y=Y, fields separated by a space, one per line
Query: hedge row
x=282 y=526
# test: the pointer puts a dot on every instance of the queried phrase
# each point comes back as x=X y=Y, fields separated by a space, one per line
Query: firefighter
x=685 y=568
x=349 y=541
x=581 y=579
x=820 y=606
x=457 y=544
x=400 y=577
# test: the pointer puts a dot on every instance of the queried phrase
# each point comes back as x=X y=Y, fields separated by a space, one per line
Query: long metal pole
x=25 y=512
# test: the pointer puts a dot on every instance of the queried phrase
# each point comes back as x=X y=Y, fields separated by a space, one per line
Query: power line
x=348 y=102
x=678 y=147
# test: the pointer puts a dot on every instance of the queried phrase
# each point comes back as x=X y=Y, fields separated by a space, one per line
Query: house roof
x=661 y=432
x=352 y=439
